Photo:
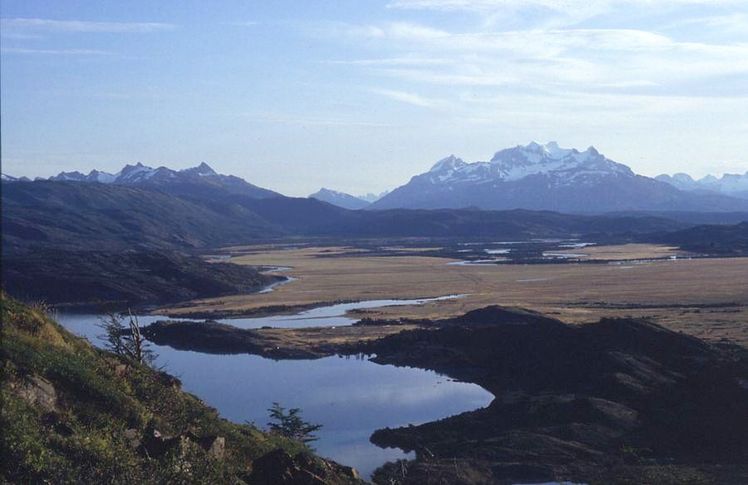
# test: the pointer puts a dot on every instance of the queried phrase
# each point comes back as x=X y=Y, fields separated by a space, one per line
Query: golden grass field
x=703 y=297
x=624 y=252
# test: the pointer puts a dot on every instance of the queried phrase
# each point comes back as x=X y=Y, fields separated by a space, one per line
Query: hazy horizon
x=360 y=97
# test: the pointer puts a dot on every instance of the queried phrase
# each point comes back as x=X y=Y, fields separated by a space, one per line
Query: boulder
x=280 y=468
x=40 y=392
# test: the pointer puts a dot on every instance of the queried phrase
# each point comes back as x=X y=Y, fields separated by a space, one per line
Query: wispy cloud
x=405 y=97
x=55 y=52
x=394 y=61
x=245 y=23
x=310 y=121
x=557 y=12
x=599 y=5
x=50 y=25
x=734 y=24
x=547 y=58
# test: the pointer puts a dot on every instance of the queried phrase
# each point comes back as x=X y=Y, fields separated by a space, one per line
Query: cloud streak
x=83 y=26
x=405 y=97
x=555 y=5
x=55 y=52
x=559 y=12
x=614 y=59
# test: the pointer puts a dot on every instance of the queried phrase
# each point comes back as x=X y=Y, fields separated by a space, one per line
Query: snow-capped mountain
x=9 y=178
x=93 y=176
x=545 y=177
x=370 y=197
x=732 y=184
x=562 y=166
x=194 y=179
x=340 y=199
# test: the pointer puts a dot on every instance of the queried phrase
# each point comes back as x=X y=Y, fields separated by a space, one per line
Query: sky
x=361 y=95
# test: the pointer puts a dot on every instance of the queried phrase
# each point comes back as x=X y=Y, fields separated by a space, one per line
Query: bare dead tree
x=126 y=340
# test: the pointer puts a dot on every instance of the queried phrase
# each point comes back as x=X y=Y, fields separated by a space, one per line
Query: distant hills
x=75 y=216
x=107 y=236
x=727 y=240
x=347 y=201
x=340 y=199
x=123 y=278
x=548 y=177
x=160 y=208
x=733 y=184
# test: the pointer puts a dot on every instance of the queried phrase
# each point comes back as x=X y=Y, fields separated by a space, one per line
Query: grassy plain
x=707 y=298
x=624 y=252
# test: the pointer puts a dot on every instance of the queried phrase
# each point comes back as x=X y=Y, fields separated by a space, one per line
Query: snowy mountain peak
x=535 y=153
x=164 y=178
x=681 y=181
x=203 y=170
x=74 y=176
x=340 y=199
x=132 y=173
x=9 y=178
x=549 y=177
x=449 y=163
x=559 y=166
x=534 y=158
x=729 y=184
x=101 y=177
x=327 y=191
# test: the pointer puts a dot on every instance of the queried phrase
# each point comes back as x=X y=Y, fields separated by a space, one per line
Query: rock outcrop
x=280 y=468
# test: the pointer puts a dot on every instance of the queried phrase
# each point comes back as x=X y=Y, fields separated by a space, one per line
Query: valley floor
x=636 y=280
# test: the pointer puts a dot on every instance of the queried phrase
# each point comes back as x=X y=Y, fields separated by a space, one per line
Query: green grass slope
x=75 y=414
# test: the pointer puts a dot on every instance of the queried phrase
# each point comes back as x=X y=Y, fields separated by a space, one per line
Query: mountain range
x=81 y=225
x=547 y=177
x=533 y=177
x=347 y=201
x=139 y=175
x=733 y=184
x=93 y=216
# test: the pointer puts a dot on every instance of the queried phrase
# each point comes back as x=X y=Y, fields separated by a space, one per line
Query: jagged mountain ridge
x=733 y=184
x=546 y=177
x=140 y=175
x=9 y=178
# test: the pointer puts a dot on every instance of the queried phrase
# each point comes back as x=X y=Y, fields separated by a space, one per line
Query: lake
x=350 y=397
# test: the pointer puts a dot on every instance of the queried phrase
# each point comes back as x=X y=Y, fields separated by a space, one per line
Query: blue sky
x=361 y=95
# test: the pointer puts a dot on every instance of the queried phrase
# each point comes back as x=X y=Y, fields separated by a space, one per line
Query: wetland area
x=308 y=342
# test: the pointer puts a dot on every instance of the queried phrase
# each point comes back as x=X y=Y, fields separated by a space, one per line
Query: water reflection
x=350 y=397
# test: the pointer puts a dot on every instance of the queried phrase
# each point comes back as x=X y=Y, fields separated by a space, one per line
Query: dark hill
x=475 y=223
x=619 y=401
x=727 y=240
x=123 y=279
x=75 y=215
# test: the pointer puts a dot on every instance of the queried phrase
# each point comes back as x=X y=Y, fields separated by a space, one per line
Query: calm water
x=351 y=398
x=324 y=316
